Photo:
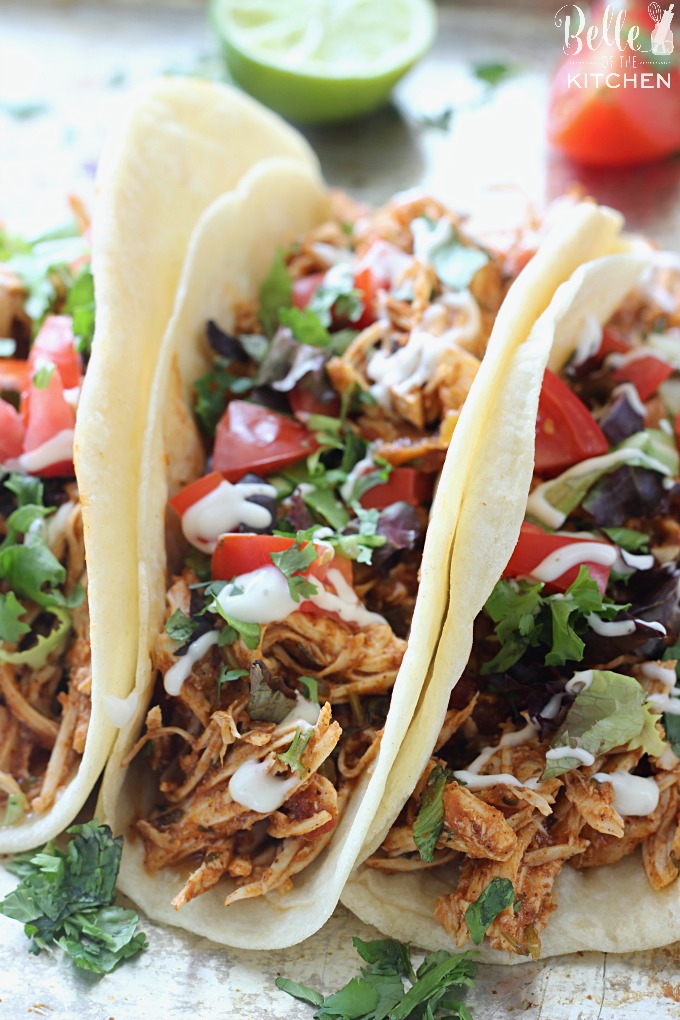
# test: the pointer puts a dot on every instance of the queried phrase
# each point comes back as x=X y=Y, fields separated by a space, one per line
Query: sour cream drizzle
x=579 y=682
x=633 y=795
x=223 y=509
x=57 y=450
x=255 y=788
x=514 y=739
x=121 y=710
x=181 y=670
x=561 y=560
x=614 y=628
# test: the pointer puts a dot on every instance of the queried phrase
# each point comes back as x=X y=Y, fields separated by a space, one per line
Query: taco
x=543 y=816
x=68 y=632
x=316 y=369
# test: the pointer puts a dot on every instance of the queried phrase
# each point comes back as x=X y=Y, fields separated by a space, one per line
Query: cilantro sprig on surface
x=525 y=619
x=435 y=989
x=65 y=898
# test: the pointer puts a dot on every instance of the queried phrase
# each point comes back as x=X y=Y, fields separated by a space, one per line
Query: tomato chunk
x=303 y=403
x=645 y=373
x=305 y=288
x=191 y=494
x=534 y=545
x=405 y=485
x=48 y=413
x=237 y=554
x=366 y=282
x=15 y=375
x=253 y=438
x=612 y=343
x=56 y=343
x=566 y=432
x=11 y=432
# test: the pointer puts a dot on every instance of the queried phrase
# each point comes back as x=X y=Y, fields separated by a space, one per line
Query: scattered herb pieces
x=498 y=895
x=270 y=698
x=226 y=676
x=292 y=756
x=494 y=73
x=276 y=293
x=429 y=823
x=180 y=627
x=65 y=898
x=295 y=561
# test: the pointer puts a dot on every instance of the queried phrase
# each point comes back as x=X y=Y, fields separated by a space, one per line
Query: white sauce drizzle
x=386 y=262
x=612 y=628
x=255 y=788
x=633 y=795
x=589 y=340
x=428 y=238
x=585 y=757
x=552 y=708
x=617 y=359
x=559 y=561
x=668 y=703
x=628 y=563
x=346 y=603
x=120 y=711
x=579 y=682
x=57 y=450
x=664 y=674
x=413 y=365
x=56 y=524
x=361 y=468
x=222 y=510
x=476 y=782
x=632 y=396
x=305 y=714
x=514 y=739
x=181 y=670
x=654 y=625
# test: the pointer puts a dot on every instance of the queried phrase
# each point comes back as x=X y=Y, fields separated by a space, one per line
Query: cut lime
x=322 y=60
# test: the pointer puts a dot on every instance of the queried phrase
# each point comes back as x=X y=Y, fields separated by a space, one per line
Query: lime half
x=322 y=60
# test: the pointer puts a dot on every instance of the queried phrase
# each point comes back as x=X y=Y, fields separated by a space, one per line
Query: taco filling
x=46 y=326
x=561 y=743
x=327 y=413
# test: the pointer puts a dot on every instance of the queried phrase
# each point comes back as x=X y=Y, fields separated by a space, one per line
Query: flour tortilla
x=228 y=256
x=611 y=909
x=150 y=195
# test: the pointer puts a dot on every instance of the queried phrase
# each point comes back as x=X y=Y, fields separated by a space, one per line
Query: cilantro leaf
x=311 y=686
x=66 y=898
x=12 y=627
x=611 y=712
x=302 y=992
x=440 y=244
x=27 y=489
x=248 y=632
x=429 y=823
x=337 y=293
x=629 y=539
x=276 y=292
x=210 y=396
x=292 y=756
x=180 y=627
x=498 y=895
x=226 y=676
x=295 y=561
x=80 y=306
x=305 y=326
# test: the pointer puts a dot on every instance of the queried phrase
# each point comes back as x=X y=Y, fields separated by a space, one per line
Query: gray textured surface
x=74 y=62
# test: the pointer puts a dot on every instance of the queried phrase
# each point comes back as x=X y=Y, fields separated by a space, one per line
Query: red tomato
x=15 y=375
x=612 y=343
x=48 y=413
x=366 y=282
x=303 y=403
x=566 y=431
x=534 y=545
x=56 y=343
x=253 y=438
x=646 y=374
x=405 y=484
x=191 y=494
x=237 y=554
x=11 y=432
x=305 y=288
x=615 y=126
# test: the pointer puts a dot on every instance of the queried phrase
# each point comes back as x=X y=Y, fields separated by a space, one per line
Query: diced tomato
x=191 y=494
x=612 y=343
x=534 y=545
x=48 y=413
x=646 y=374
x=405 y=484
x=305 y=288
x=237 y=554
x=11 y=432
x=566 y=432
x=56 y=343
x=366 y=282
x=303 y=403
x=253 y=438
x=677 y=430
x=607 y=124
x=15 y=375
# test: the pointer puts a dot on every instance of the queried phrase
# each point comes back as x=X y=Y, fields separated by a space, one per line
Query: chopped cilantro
x=630 y=540
x=276 y=293
x=526 y=619
x=292 y=756
x=180 y=627
x=454 y=262
x=671 y=723
x=12 y=627
x=226 y=676
x=311 y=686
x=429 y=823
x=498 y=895
x=41 y=378
x=80 y=306
x=65 y=898
x=293 y=562
x=305 y=326
x=15 y=809
x=493 y=72
x=337 y=294
x=435 y=992
x=210 y=396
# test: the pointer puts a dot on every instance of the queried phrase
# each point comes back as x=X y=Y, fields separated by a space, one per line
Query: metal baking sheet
x=63 y=73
